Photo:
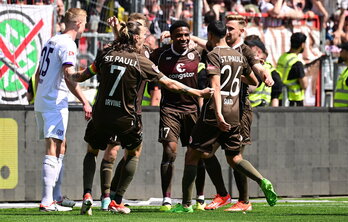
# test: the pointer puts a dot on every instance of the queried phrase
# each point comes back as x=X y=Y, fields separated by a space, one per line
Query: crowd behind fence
x=268 y=19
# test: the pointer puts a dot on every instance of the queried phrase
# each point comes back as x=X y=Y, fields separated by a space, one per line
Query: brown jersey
x=182 y=68
x=121 y=74
x=248 y=53
x=230 y=65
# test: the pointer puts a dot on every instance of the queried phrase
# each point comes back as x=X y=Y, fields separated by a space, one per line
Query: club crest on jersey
x=147 y=55
x=180 y=68
x=191 y=56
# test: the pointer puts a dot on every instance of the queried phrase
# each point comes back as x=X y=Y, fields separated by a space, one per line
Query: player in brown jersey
x=122 y=68
x=235 y=26
x=220 y=121
x=235 y=29
x=108 y=187
x=178 y=113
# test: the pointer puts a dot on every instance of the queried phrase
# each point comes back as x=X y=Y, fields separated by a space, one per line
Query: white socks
x=167 y=200
x=200 y=197
x=49 y=175
x=57 y=193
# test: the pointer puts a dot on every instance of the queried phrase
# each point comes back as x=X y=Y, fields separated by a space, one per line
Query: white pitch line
x=158 y=202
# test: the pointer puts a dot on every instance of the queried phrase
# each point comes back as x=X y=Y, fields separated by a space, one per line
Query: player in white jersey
x=58 y=60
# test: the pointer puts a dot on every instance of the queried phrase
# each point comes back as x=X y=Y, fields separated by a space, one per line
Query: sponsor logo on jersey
x=180 y=68
x=71 y=53
x=168 y=58
x=191 y=56
x=182 y=75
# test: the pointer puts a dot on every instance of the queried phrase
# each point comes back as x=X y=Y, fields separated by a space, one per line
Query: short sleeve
x=213 y=64
x=250 y=56
x=149 y=70
x=296 y=71
x=68 y=53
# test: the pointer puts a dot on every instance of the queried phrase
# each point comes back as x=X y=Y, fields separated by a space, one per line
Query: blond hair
x=236 y=17
x=74 y=15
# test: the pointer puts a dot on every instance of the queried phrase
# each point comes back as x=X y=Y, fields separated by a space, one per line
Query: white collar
x=178 y=54
x=238 y=45
x=222 y=47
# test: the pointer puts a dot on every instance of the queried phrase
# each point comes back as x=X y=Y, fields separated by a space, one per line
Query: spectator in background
x=209 y=17
x=152 y=6
x=60 y=26
x=291 y=70
x=302 y=8
x=163 y=18
x=341 y=91
x=319 y=9
x=216 y=6
x=341 y=33
x=262 y=95
x=252 y=6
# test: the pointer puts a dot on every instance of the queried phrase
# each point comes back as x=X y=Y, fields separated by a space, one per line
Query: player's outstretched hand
x=269 y=81
x=222 y=125
x=207 y=92
x=88 y=111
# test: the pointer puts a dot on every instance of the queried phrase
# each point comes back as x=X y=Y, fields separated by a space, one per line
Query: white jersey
x=52 y=91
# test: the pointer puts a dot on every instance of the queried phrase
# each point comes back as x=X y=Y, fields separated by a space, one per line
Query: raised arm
x=201 y=42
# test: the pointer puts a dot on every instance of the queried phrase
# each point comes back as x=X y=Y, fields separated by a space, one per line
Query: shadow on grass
x=146 y=210
x=342 y=215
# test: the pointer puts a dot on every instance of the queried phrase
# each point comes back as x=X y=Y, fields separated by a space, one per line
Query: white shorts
x=52 y=124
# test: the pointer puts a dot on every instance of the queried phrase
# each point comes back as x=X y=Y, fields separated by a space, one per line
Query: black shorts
x=245 y=123
x=99 y=137
x=174 y=125
x=205 y=135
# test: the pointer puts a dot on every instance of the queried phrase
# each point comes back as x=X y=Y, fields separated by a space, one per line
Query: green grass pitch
x=334 y=210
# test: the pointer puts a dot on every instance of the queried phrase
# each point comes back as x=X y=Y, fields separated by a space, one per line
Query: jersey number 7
x=122 y=71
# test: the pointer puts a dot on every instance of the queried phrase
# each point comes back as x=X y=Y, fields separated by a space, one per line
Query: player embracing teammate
x=220 y=118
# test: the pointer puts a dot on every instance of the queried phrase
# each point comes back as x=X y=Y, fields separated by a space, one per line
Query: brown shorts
x=100 y=137
x=174 y=125
x=204 y=136
x=245 y=123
